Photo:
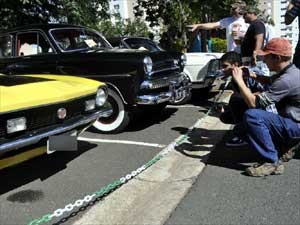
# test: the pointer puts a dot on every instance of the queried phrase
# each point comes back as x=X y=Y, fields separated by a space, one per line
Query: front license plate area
x=63 y=142
x=178 y=91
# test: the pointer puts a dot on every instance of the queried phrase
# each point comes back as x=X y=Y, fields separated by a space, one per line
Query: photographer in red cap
x=272 y=132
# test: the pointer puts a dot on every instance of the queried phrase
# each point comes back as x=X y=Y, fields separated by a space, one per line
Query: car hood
x=138 y=54
x=20 y=92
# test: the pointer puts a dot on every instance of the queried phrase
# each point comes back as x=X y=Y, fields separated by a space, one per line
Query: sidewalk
x=152 y=196
x=223 y=194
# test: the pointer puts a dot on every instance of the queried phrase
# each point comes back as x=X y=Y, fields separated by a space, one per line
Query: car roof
x=127 y=37
x=41 y=27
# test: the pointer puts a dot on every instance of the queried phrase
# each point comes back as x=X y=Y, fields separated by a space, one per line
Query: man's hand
x=249 y=97
x=237 y=74
x=193 y=27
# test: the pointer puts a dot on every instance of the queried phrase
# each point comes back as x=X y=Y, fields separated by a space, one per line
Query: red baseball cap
x=277 y=46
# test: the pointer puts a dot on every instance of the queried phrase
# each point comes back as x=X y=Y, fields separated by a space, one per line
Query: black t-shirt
x=248 y=45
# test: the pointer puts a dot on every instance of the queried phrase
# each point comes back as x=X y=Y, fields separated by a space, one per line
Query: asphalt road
x=223 y=194
x=42 y=185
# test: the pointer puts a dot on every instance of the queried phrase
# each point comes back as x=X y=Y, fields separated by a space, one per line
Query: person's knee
x=250 y=116
x=226 y=117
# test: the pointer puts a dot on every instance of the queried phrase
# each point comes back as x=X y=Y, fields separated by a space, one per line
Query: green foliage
x=22 y=12
x=123 y=27
x=219 y=45
x=173 y=16
x=170 y=16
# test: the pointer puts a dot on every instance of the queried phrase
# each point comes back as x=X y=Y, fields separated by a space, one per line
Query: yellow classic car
x=40 y=109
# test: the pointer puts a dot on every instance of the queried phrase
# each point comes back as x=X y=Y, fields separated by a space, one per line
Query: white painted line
x=121 y=142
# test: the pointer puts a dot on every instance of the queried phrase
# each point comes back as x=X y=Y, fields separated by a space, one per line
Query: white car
x=202 y=68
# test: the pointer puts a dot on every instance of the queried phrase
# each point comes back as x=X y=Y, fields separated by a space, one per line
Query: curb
x=152 y=196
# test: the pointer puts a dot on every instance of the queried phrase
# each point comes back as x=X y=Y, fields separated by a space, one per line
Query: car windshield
x=70 y=39
x=143 y=44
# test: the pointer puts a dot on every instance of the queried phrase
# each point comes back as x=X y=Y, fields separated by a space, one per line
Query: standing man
x=293 y=11
x=254 y=37
x=233 y=33
x=268 y=132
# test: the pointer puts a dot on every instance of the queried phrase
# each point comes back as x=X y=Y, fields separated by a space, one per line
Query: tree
x=174 y=15
x=123 y=27
x=22 y=12
x=171 y=16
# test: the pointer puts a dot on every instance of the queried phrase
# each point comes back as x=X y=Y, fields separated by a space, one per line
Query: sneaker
x=236 y=142
x=287 y=156
x=265 y=169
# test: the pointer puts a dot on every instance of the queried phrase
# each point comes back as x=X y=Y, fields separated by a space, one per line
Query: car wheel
x=117 y=120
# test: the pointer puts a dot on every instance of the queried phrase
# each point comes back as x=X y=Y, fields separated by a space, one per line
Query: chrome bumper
x=154 y=99
x=177 y=84
x=33 y=139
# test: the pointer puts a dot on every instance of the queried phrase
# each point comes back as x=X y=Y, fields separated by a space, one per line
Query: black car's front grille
x=2 y=131
x=165 y=72
x=46 y=115
x=163 y=65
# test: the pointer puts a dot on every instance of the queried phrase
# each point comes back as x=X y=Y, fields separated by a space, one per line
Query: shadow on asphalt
x=143 y=119
x=238 y=158
x=146 y=119
x=41 y=167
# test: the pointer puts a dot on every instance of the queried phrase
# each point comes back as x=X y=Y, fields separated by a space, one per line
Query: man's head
x=237 y=8
x=250 y=13
x=230 y=60
x=277 y=53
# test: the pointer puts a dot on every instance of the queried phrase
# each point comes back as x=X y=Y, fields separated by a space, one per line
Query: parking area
x=44 y=184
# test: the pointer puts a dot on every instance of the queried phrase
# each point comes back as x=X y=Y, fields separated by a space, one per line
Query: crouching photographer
x=233 y=113
x=268 y=133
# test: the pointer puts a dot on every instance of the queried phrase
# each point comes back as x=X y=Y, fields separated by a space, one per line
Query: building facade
x=123 y=7
x=276 y=9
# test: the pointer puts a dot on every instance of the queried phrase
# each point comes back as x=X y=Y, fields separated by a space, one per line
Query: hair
x=232 y=57
x=251 y=9
x=240 y=6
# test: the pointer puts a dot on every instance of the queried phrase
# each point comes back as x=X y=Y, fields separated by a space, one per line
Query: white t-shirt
x=270 y=33
x=230 y=24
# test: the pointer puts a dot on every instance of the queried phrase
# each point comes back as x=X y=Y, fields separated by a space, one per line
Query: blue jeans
x=268 y=131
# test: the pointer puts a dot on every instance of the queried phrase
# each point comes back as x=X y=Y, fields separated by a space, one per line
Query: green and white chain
x=116 y=184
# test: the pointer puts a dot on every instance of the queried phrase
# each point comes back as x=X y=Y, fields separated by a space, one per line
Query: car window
x=32 y=43
x=5 y=46
x=213 y=66
x=138 y=43
x=70 y=39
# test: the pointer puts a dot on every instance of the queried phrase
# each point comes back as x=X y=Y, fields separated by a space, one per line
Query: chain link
x=105 y=190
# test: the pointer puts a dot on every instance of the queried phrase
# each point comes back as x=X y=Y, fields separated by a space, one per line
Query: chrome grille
x=163 y=82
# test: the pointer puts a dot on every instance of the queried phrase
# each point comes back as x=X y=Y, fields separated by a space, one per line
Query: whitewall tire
x=118 y=120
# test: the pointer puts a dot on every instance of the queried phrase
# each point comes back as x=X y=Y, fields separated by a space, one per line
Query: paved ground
x=151 y=197
x=222 y=193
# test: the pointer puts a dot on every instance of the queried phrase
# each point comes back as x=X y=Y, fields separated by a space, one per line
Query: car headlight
x=183 y=60
x=15 y=125
x=101 y=96
x=148 y=65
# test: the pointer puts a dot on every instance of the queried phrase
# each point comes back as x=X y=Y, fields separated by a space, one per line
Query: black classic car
x=135 y=79
x=201 y=68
